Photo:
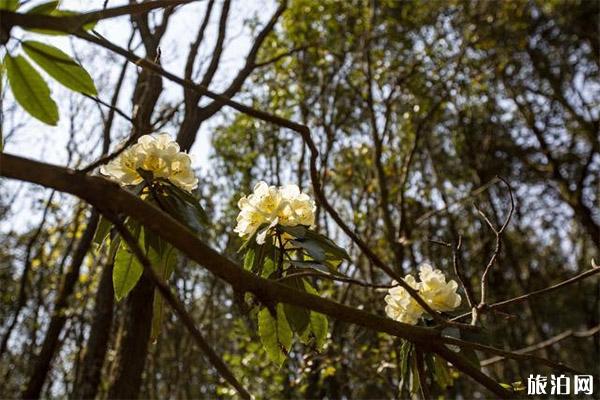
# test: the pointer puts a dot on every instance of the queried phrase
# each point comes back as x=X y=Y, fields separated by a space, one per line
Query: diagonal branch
x=525 y=297
x=74 y=23
x=96 y=190
x=178 y=308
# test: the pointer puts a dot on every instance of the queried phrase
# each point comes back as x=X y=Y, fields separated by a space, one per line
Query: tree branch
x=96 y=190
x=178 y=307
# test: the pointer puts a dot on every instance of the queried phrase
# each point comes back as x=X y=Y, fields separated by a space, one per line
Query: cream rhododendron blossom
x=272 y=205
x=157 y=154
x=400 y=304
x=432 y=287
x=437 y=293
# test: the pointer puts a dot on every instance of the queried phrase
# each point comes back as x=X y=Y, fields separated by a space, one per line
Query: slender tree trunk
x=86 y=386
x=57 y=322
x=133 y=347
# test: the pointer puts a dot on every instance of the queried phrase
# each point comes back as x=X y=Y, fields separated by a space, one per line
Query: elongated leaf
x=299 y=318
x=267 y=330
x=164 y=269
x=249 y=259
x=268 y=267
x=442 y=374
x=127 y=271
x=10 y=5
x=415 y=384
x=60 y=66
x=313 y=248
x=158 y=311
x=180 y=209
x=298 y=231
x=309 y=264
x=30 y=90
x=190 y=200
x=406 y=353
x=319 y=325
x=284 y=332
x=44 y=8
x=328 y=245
x=102 y=230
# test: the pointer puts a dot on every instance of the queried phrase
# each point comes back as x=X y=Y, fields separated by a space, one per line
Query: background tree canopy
x=428 y=120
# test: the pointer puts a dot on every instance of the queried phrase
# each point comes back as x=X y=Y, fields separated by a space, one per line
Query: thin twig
x=474 y=193
x=498 y=232
x=546 y=343
x=460 y=273
x=525 y=297
x=324 y=275
x=511 y=354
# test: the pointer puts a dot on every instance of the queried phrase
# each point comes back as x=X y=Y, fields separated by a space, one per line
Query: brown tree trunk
x=57 y=322
x=133 y=347
x=86 y=386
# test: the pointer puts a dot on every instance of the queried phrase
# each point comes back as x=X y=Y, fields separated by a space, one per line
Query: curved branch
x=73 y=23
x=96 y=190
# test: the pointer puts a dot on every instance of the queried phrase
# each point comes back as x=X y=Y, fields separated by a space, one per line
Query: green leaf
x=332 y=249
x=298 y=318
x=164 y=268
x=44 y=8
x=268 y=268
x=319 y=327
x=10 y=5
x=406 y=352
x=158 y=311
x=30 y=90
x=61 y=67
x=284 y=332
x=249 y=259
x=297 y=231
x=313 y=248
x=415 y=384
x=267 y=330
x=115 y=242
x=180 y=208
x=127 y=271
x=320 y=248
x=471 y=356
x=318 y=322
x=441 y=372
x=188 y=198
x=102 y=230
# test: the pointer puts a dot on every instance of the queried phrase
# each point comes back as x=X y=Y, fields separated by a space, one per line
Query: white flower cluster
x=271 y=205
x=157 y=154
x=433 y=288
